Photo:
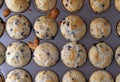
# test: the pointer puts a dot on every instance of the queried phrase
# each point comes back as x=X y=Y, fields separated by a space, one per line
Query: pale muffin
x=99 y=6
x=18 y=54
x=73 y=55
x=46 y=76
x=101 y=76
x=18 y=27
x=73 y=76
x=18 y=75
x=72 y=5
x=45 y=27
x=73 y=28
x=100 y=28
x=46 y=55
x=101 y=55
x=45 y=5
x=18 y=5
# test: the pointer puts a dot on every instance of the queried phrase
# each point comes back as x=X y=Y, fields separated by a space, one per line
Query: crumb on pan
x=59 y=22
x=34 y=44
x=54 y=13
x=6 y=12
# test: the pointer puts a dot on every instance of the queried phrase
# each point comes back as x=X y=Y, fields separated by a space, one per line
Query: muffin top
x=18 y=5
x=73 y=76
x=45 y=5
x=46 y=76
x=72 y=5
x=46 y=55
x=18 y=27
x=100 y=55
x=100 y=28
x=73 y=55
x=18 y=54
x=73 y=28
x=99 y=6
x=45 y=27
x=101 y=76
x=18 y=75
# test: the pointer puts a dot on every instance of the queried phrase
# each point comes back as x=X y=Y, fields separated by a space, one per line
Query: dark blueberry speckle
x=69 y=47
x=17 y=57
x=36 y=32
x=20 y=16
x=72 y=78
x=11 y=30
x=68 y=24
x=118 y=54
x=21 y=50
x=22 y=34
x=17 y=21
x=26 y=75
x=28 y=2
x=64 y=22
x=8 y=53
x=66 y=5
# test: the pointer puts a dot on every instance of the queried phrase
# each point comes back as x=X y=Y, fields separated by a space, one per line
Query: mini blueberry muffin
x=18 y=75
x=2 y=53
x=46 y=55
x=1 y=3
x=117 y=55
x=18 y=27
x=73 y=76
x=45 y=27
x=101 y=76
x=18 y=5
x=117 y=4
x=72 y=5
x=99 y=6
x=2 y=78
x=118 y=28
x=101 y=55
x=73 y=55
x=118 y=78
x=18 y=54
x=1 y=27
x=73 y=28
x=46 y=76
x=45 y=5
x=100 y=28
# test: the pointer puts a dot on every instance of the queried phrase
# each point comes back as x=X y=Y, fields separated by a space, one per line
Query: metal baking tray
x=112 y=15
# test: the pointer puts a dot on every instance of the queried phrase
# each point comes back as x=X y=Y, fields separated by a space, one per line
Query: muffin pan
x=86 y=13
